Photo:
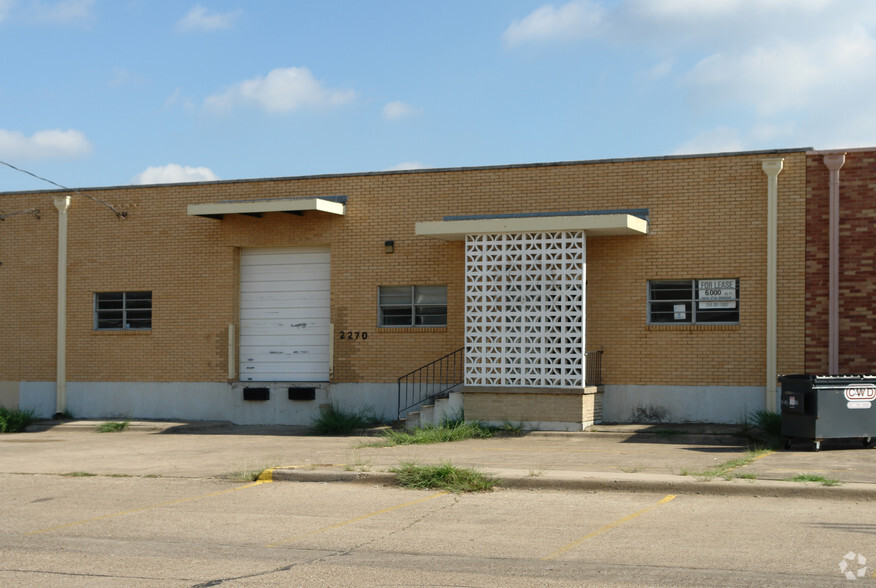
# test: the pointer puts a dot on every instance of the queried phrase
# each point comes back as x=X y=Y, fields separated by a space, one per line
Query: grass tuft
x=633 y=469
x=746 y=476
x=13 y=420
x=245 y=476
x=770 y=423
x=333 y=420
x=449 y=431
x=813 y=478
x=113 y=426
x=444 y=476
x=725 y=469
x=509 y=428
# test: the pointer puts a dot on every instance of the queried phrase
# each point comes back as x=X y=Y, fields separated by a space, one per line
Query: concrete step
x=427 y=415
x=447 y=409
x=412 y=420
x=454 y=405
x=440 y=414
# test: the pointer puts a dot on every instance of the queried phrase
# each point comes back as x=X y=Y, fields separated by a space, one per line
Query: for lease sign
x=716 y=293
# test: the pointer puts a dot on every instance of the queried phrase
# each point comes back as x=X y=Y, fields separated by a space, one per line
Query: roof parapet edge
x=432 y=170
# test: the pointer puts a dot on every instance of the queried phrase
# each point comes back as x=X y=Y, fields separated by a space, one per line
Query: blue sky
x=114 y=92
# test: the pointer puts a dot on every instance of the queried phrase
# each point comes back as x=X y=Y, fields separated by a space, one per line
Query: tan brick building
x=256 y=301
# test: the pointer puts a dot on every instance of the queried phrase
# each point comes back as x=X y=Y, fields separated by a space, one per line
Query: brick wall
x=857 y=264
x=517 y=407
x=708 y=220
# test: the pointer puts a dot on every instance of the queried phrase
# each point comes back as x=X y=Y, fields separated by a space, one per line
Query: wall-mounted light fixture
x=389 y=246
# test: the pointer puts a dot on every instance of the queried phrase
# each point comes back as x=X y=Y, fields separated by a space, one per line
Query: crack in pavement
x=331 y=555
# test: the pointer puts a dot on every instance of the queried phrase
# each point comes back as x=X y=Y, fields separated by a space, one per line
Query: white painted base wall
x=39 y=397
x=682 y=404
x=205 y=401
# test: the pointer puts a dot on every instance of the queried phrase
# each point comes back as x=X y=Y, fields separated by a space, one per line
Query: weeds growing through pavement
x=633 y=469
x=333 y=420
x=509 y=428
x=770 y=423
x=725 y=469
x=813 y=478
x=13 y=420
x=449 y=431
x=113 y=426
x=357 y=463
x=444 y=476
x=252 y=470
x=245 y=475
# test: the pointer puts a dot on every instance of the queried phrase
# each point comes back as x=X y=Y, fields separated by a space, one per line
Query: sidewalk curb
x=594 y=483
x=91 y=426
x=676 y=438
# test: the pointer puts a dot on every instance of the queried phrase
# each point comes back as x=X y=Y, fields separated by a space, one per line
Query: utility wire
x=121 y=215
x=33 y=211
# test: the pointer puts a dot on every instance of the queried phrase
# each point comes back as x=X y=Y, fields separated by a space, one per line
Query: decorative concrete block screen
x=524 y=309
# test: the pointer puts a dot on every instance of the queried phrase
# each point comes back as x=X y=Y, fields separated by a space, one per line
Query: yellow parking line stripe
x=361 y=518
x=141 y=509
x=607 y=527
x=761 y=456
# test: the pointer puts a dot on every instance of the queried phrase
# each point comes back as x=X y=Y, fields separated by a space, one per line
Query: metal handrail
x=446 y=373
x=430 y=381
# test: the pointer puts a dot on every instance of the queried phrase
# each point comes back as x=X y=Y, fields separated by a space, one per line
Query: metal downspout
x=834 y=162
x=772 y=168
x=62 y=203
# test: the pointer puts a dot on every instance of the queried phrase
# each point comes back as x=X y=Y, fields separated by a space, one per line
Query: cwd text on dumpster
x=860 y=395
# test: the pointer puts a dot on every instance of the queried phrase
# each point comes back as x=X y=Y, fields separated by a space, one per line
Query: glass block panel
x=522 y=329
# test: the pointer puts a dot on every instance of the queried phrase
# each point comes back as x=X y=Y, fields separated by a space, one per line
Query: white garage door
x=284 y=314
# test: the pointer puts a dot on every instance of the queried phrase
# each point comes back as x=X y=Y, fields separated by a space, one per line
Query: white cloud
x=784 y=75
x=405 y=165
x=201 y=19
x=661 y=69
x=47 y=144
x=779 y=69
x=697 y=10
x=177 y=97
x=5 y=7
x=577 y=19
x=398 y=109
x=63 y=12
x=282 y=90
x=173 y=173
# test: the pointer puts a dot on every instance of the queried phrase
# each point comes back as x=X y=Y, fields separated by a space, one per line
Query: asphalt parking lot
x=136 y=531
x=167 y=504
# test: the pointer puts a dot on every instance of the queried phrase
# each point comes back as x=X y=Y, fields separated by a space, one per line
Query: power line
x=121 y=215
x=34 y=211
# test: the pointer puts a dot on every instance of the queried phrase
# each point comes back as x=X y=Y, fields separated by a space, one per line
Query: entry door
x=284 y=314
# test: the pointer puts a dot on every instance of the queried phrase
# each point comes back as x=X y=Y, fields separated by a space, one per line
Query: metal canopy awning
x=596 y=223
x=217 y=210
